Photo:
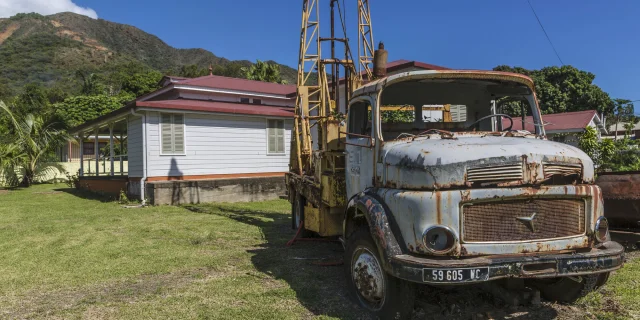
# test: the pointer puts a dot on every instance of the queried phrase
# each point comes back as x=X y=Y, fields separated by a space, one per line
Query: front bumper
x=606 y=257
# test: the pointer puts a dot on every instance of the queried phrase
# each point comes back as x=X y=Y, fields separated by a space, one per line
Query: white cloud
x=9 y=8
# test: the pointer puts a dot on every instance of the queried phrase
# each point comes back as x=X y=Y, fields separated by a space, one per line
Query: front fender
x=380 y=224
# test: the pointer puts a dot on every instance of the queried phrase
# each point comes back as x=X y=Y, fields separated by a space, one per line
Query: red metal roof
x=220 y=82
x=220 y=107
x=556 y=121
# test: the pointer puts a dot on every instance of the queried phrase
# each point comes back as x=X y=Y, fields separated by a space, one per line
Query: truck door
x=359 y=147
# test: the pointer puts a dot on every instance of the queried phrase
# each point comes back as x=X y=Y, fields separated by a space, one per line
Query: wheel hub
x=368 y=276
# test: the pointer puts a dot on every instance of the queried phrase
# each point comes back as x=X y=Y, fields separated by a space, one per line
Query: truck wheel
x=602 y=279
x=297 y=214
x=567 y=289
x=382 y=295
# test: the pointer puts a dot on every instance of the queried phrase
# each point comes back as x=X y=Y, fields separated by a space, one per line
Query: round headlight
x=602 y=229
x=439 y=239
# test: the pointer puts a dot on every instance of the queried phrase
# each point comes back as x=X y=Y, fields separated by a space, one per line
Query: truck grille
x=495 y=174
x=515 y=220
x=565 y=169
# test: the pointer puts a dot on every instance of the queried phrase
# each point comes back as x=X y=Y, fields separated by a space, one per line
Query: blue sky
x=602 y=37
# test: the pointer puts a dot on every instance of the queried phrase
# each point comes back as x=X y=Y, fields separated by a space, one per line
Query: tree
x=564 y=89
x=32 y=99
x=192 y=71
x=90 y=83
x=76 y=110
x=5 y=90
x=262 y=71
x=34 y=139
x=141 y=83
x=609 y=154
x=623 y=111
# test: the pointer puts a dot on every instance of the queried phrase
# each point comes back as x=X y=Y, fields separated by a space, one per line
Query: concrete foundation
x=108 y=185
x=216 y=190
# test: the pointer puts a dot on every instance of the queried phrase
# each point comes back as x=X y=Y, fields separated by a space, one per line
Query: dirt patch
x=49 y=304
x=472 y=302
x=92 y=43
x=4 y=192
x=8 y=32
x=56 y=24
x=49 y=192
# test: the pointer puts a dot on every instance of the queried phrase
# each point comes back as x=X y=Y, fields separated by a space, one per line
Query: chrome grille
x=565 y=169
x=497 y=173
x=507 y=220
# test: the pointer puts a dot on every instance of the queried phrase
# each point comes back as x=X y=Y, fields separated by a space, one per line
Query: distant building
x=634 y=134
x=563 y=127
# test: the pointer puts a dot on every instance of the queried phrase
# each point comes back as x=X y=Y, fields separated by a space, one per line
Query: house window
x=257 y=101
x=275 y=136
x=172 y=133
x=88 y=147
x=244 y=100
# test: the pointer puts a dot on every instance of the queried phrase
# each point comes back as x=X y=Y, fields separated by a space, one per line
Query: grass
x=65 y=256
x=68 y=255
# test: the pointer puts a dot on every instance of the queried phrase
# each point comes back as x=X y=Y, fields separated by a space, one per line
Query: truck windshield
x=457 y=105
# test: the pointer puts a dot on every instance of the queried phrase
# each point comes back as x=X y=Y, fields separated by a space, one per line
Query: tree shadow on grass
x=322 y=289
x=88 y=195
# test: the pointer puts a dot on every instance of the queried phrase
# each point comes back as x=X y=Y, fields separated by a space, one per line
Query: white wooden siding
x=217 y=144
x=134 y=146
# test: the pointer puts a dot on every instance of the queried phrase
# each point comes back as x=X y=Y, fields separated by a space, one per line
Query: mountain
x=50 y=49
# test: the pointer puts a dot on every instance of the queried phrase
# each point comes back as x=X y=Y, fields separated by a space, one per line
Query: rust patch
x=438 y=207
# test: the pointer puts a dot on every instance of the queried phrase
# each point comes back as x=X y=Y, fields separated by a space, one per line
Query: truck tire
x=568 y=289
x=602 y=279
x=382 y=295
x=297 y=214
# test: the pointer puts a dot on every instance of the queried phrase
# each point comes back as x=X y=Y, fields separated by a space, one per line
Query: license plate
x=455 y=275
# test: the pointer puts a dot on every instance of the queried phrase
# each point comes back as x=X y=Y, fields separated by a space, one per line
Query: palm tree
x=262 y=71
x=32 y=141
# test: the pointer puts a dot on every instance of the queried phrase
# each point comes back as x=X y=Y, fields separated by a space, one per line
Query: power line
x=545 y=32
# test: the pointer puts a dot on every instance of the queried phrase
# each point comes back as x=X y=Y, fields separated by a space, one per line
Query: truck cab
x=440 y=190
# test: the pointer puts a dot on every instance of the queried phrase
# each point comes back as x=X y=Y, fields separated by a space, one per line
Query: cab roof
x=381 y=83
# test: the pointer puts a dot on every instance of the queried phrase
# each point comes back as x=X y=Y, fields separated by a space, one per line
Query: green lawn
x=65 y=255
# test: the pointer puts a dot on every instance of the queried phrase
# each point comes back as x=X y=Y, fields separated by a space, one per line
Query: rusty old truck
x=425 y=182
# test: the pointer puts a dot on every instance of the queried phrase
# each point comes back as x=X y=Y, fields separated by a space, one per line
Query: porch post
x=97 y=152
x=81 y=173
x=111 y=147
x=121 y=160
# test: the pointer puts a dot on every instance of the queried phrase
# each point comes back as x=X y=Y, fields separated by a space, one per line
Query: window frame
x=184 y=133
x=284 y=137
x=374 y=122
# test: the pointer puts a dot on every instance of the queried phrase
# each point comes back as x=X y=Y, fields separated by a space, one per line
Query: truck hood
x=433 y=162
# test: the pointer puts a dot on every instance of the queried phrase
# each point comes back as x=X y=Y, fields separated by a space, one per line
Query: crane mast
x=318 y=100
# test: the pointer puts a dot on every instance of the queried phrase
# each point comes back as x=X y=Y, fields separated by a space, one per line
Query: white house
x=207 y=128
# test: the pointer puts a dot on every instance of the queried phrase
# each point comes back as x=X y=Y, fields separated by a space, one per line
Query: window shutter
x=271 y=137
x=178 y=133
x=165 y=128
x=280 y=136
